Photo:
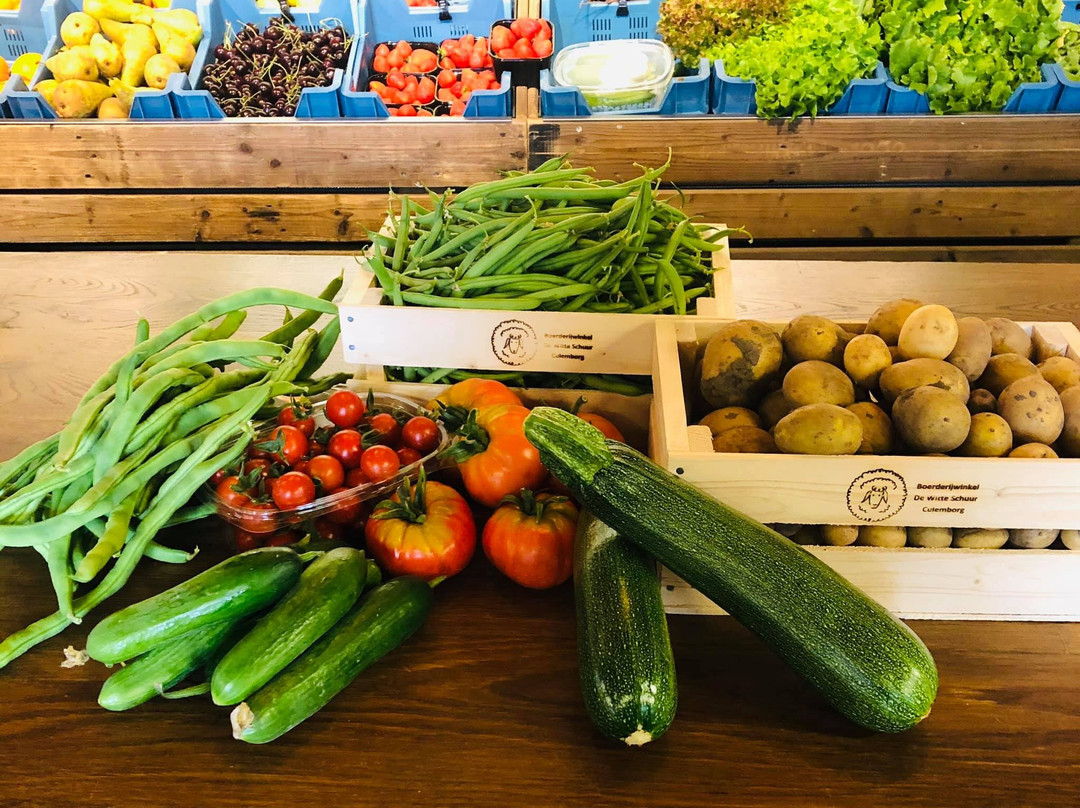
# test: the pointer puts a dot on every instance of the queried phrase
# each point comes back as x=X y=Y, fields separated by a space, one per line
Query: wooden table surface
x=482 y=707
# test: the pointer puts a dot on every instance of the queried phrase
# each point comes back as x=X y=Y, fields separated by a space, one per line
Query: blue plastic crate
x=393 y=20
x=1071 y=12
x=736 y=96
x=1069 y=98
x=21 y=31
x=28 y=105
x=576 y=21
x=194 y=103
x=1029 y=97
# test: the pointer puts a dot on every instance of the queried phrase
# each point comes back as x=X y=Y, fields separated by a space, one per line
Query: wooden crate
x=953 y=583
x=377 y=333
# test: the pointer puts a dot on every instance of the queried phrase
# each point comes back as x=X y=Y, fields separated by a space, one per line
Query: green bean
x=436 y=375
x=79 y=427
x=536 y=251
x=402 y=226
x=504 y=304
x=111 y=541
x=487 y=190
x=299 y=324
x=168 y=555
x=191 y=513
x=207 y=413
x=437 y=255
x=551 y=164
x=312 y=387
x=521 y=227
x=431 y=238
x=558 y=293
x=678 y=292
x=230 y=324
x=127 y=369
x=322 y=348
x=46 y=482
x=30 y=457
x=613 y=384
x=490 y=281
x=667 y=302
x=231 y=349
x=382 y=274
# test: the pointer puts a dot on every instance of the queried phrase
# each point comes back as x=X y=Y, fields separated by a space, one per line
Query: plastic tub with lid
x=618 y=76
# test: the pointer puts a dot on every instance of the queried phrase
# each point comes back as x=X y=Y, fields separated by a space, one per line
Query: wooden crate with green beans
x=525 y=275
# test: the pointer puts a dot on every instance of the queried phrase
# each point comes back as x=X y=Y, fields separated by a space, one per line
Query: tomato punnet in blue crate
x=391 y=74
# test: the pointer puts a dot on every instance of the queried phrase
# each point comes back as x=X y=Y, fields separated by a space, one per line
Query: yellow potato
x=887 y=321
x=772 y=408
x=902 y=376
x=810 y=337
x=806 y=534
x=988 y=436
x=727 y=417
x=1032 y=538
x=894 y=353
x=929 y=536
x=816 y=382
x=1061 y=372
x=744 y=439
x=974 y=345
x=1033 y=450
x=1033 y=409
x=1009 y=337
x=980 y=538
x=882 y=536
x=929 y=419
x=982 y=401
x=877 y=432
x=1070 y=432
x=865 y=357
x=1071 y=539
x=741 y=362
x=819 y=429
x=929 y=332
x=1004 y=369
x=840 y=535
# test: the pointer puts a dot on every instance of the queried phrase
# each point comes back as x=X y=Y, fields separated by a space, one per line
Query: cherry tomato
x=408 y=456
x=406 y=111
x=293 y=445
x=404 y=48
x=502 y=37
x=457 y=108
x=345 y=408
x=345 y=514
x=315 y=448
x=330 y=531
x=355 y=478
x=507 y=462
x=422 y=434
x=379 y=463
x=427 y=531
x=424 y=113
x=261 y=463
x=327 y=471
x=530 y=539
x=476 y=60
x=380 y=64
x=395 y=59
x=446 y=78
x=258 y=517
x=395 y=79
x=295 y=415
x=218 y=476
x=304 y=467
x=347 y=446
x=542 y=48
x=244 y=541
x=523 y=49
x=425 y=92
x=283 y=539
x=387 y=426
x=228 y=494
x=292 y=489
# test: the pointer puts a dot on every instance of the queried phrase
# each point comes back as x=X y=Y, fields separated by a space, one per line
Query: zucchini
x=866 y=663
x=327 y=589
x=624 y=653
x=236 y=587
x=155 y=672
x=382 y=620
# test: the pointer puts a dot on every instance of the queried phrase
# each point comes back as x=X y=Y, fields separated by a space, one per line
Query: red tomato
x=260 y=463
x=356 y=477
x=407 y=111
x=315 y=448
x=283 y=539
x=476 y=60
x=395 y=59
x=523 y=50
x=422 y=434
x=457 y=108
x=408 y=456
x=527 y=27
x=258 y=517
x=530 y=540
x=515 y=28
x=467 y=41
x=227 y=493
x=446 y=63
x=292 y=489
x=395 y=79
x=381 y=64
x=387 y=426
x=447 y=78
x=402 y=97
x=382 y=50
x=425 y=92
x=424 y=113
x=427 y=532
x=345 y=408
x=472 y=394
x=217 y=477
x=347 y=446
x=327 y=471
x=298 y=415
x=542 y=48
x=244 y=541
x=377 y=87
x=392 y=112
x=346 y=513
x=287 y=444
x=304 y=467
x=330 y=531
x=494 y=457
x=379 y=463
x=506 y=53
x=544 y=32
x=404 y=48
x=423 y=61
x=603 y=424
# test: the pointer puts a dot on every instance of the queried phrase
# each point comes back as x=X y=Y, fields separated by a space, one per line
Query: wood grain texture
x=482 y=707
x=720 y=151
x=864 y=214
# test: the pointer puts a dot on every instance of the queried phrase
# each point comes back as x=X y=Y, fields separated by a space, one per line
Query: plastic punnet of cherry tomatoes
x=525 y=38
x=530 y=539
x=468 y=51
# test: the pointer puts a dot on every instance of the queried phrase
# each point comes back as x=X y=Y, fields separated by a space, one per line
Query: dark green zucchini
x=624 y=653
x=868 y=664
x=238 y=586
x=382 y=620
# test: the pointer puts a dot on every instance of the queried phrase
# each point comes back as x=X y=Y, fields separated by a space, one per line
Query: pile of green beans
x=145 y=437
x=554 y=239
x=602 y=382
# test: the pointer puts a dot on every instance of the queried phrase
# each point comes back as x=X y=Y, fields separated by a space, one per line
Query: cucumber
x=624 y=653
x=165 y=666
x=868 y=664
x=327 y=589
x=230 y=590
x=382 y=620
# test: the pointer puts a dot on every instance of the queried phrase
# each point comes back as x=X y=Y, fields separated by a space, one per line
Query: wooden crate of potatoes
x=934 y=461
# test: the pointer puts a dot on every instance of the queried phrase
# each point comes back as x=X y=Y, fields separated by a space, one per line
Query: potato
x=819 y=429
x=929 y=332
x=1032 y=538
x=877 y=432
x=1009 y=337
x=744 y=439
x=1033 y=409
x=980 y=538
x=1071 y=539
x=1033 y=450
x=810 y=337
x=982 y=401
x=727 y=417
x=864 y=359
x=1004 y=369
x=929 y=419
x=806 y=534
x=816 y=382
x=784 y=529
x=929 y=536
x=887 y=321
x=988 y=436
x=894 y=353
x=897 y=378
x=839 y=535
x=973 y=347
x=741 y=363
x=882 y=536
x=1070 y=432
x=772 y=408
x=1061 y=372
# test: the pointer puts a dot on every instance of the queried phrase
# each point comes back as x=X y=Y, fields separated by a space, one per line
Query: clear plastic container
x=255 y=520
x=618 y=76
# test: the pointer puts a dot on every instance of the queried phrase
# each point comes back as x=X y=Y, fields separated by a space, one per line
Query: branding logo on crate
x=876 y=495
x=514 y=342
